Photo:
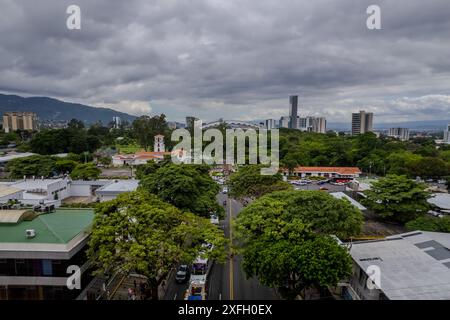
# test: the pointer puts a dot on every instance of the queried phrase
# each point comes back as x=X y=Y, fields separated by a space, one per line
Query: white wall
x=80 y=190
x=15 y=196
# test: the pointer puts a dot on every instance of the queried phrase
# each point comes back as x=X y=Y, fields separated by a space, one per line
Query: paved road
x=226 y=281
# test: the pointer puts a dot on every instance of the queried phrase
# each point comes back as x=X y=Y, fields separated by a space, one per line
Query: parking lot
x=325 y=187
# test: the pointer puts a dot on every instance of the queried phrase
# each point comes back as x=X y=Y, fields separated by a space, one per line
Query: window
x=47 y=268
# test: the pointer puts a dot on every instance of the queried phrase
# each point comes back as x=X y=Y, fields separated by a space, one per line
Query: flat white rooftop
x=119 y=186
x=440 y=200
x=31 y=184
x=414 y=266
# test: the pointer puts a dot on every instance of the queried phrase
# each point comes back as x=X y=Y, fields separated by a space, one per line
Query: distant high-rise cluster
x=399 y=133
x=13 y=121
x=362 y=122
x=294 y=121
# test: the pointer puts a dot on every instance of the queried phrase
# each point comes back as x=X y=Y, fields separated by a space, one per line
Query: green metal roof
x=57 y=227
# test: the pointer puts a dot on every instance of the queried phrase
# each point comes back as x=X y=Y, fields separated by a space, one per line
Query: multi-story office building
x=39 y=252
x=293 y=112
x=313 y=124
x=362 y=122
x=447 y=134
x=13 y=121
x=270 y=124
x=399 y=133
x=319 y=125
x=284 y=122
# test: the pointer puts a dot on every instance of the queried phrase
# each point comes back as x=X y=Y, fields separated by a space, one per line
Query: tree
x=145 y=128
x=65 y=165
x=106 y=161
x=431 y=168
x=285 y=241
x=397 y=198
x=292 y=213
x=188 y=187
x=139 y=233
x=249 y=182
x=32 y=166
x=429 y=223
x=85 y=171
x=293 y=267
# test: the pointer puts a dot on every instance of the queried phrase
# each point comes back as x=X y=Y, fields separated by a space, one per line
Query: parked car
x=182 y=275
x=225 y=190
x=214 y=219
x=435 y=214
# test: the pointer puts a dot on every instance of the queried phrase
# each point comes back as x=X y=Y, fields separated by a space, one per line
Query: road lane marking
x=231 y=257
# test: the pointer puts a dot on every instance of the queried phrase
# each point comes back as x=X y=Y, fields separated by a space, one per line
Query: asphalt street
x=226 y=281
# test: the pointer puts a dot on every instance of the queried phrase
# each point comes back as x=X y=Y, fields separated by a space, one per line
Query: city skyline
x=242 y=68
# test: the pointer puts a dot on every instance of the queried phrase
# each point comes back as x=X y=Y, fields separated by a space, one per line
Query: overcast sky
x=235 y=59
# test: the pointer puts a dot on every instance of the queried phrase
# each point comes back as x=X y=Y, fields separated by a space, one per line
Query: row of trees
x=77 y=138
x=381 y=156
x=49 y=166
x=163 y=223
x=401 y=200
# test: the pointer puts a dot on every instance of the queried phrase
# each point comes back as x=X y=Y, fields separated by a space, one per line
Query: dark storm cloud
x=233 y=59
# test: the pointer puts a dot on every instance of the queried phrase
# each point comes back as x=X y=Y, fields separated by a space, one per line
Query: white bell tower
x=159 y=143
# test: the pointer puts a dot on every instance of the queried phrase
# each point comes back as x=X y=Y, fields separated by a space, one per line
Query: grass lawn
x=128 y=149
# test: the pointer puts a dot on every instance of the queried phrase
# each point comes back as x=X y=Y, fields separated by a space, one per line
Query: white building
x=112 y=190
x=36 y=191
x=399 y=133
x=9 y=193
x=362 y=122
x=447 y=135
x=409 y=266
x=117 y=122
x=284 y=122
x=313 y=124
x=270 y=124
x=159 y=144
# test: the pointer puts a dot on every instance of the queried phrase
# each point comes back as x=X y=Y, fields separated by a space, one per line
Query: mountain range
x=52 y=109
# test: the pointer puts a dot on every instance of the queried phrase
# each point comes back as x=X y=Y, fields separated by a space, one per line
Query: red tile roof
x=339 y=170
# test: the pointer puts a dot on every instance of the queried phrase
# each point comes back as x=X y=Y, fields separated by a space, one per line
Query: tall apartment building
x=117 y=121
x=362 y=122
x=399 y=133
x=293 y=112
x=447 y=134
x=13 y=121
x=313 y=124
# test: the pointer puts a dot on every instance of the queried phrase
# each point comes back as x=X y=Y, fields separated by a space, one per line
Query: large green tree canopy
x=188 y=187
x=397 y=198
x=249 y=182
x=138 y=232
x=285 y=239
x=293 y=213
x=85 y=171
